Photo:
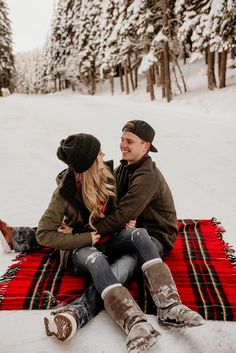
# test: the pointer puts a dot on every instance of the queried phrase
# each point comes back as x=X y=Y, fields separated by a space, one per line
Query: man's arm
x=131 y=205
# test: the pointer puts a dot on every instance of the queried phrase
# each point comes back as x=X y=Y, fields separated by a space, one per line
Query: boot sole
x=63 y=328
x=143 y=346
x=178 y=324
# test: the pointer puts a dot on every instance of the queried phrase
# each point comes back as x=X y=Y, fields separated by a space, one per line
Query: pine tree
x=25 y=64
x=209 y=25
x=6 y=53
x=221 y=33
x=194 y=16
x=44 y=80
x=58 y=47
x=86 y=45
x=111 y=21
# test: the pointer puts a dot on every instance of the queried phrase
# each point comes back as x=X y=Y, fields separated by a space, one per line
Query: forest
x=91 y=42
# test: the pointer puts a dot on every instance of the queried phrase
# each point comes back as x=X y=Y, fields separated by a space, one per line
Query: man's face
x=132 y=147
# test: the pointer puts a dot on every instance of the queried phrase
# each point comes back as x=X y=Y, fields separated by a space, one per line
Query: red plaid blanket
x=202 y=264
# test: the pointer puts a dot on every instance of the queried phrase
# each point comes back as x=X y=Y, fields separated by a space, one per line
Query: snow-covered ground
x=196 y=139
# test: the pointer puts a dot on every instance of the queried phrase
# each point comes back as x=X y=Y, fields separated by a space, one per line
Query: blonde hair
x=97 y=186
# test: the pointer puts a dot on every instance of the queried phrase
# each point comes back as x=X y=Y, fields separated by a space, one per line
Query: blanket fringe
x=229 y=250
x=10 y=274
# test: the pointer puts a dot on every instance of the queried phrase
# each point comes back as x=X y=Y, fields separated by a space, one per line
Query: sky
x=31 y=21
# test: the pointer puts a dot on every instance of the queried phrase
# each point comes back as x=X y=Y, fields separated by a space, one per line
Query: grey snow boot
x=123 y=309
x=170 y=310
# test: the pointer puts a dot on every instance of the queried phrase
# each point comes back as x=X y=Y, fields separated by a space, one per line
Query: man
x=142 y=191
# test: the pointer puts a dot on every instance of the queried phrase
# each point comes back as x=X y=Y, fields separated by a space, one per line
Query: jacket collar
x=133 y=166
x=69 y=190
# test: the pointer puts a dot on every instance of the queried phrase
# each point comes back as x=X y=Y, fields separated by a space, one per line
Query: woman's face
x=100 y=160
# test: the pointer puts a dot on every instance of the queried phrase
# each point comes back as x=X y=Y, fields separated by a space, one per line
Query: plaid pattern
x=202 y=264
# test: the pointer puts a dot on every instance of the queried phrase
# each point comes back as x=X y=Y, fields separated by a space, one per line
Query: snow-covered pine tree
x=209 y=25
x=108 y=58
x=71 y=65
x=156 y=61
x=6 y=52
x=25 y=64
x=193 y=16
x=43 y=77
x=81 y=62
x=90 y=51
x=62 y=33
x=134 y=39
x=126 y=26
x=220 y=30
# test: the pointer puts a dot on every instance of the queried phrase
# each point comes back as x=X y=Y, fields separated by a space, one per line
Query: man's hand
x=131 y=224
x=64 y=228
x=95 y=237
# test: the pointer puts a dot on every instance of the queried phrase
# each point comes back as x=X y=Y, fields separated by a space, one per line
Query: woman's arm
x=48 y=234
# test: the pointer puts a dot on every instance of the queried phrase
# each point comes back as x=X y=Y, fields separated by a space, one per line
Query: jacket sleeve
x=131 y=205
x=47 y=234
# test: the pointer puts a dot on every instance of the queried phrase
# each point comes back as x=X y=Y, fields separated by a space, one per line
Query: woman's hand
x=64 y=228
x=95 y=237
x=131 y=224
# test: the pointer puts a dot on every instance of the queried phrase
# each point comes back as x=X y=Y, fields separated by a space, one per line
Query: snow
x=196 y=139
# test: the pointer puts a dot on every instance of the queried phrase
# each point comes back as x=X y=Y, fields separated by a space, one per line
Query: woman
x=85 y=194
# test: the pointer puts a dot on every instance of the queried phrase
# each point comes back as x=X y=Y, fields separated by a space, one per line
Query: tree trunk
x=59 y=83
x=219 y=64
x=233 y=53
x=210 y=70
x=122 y=87
x=112 y=85
x=92 y=80
x=181 y=74
x=223 y=68
x=153 y=77
x=150 y=88
x=167 y=72
x=136 y=71
x=163 y=87
x=206 y=56
x=126 y=77
x=157 y=75
x=131 y=73
x=176 y=79
x=166 y=58
x=185 y=56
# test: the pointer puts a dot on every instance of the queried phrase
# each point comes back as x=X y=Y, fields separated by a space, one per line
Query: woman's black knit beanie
x=79 y=151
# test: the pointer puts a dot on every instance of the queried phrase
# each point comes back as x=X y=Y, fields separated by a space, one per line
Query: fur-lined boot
x=170 y=310
x=123 y=309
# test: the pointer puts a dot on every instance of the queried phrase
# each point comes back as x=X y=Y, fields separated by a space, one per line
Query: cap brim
x=153 y=149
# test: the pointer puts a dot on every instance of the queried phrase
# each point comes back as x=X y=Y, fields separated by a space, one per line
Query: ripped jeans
x=139 y=246
x=90 y=303
x=135 y=241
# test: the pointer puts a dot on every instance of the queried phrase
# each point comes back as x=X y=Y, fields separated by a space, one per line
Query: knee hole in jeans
x=92 y=258
x=137 y=232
